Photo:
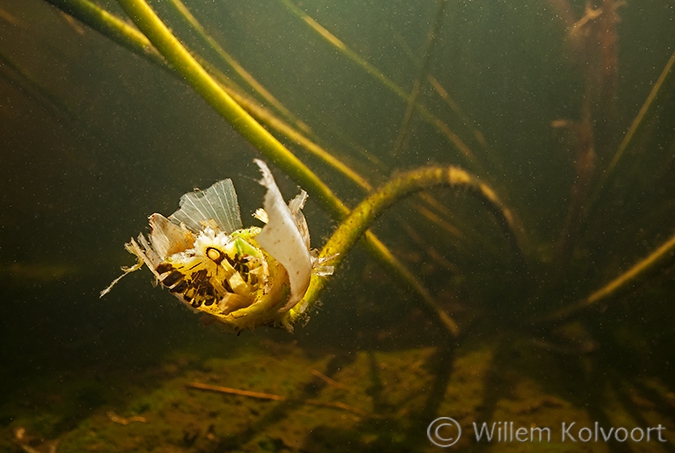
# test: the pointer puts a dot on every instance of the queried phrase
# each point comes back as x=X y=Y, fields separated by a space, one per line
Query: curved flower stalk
x=397 y=188
x=244 y=277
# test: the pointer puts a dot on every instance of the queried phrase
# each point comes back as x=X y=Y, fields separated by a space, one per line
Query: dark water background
x=93 y=139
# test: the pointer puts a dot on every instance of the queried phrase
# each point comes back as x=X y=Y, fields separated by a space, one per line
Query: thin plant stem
x=36 y=91
x=665 y=81
x=444 y=95
x=401 y=138
x=641 y=271
x=468 y=123
x=430 y=249
x=33 y=89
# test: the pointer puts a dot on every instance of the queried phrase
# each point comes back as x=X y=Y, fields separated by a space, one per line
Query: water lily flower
x=244 y=277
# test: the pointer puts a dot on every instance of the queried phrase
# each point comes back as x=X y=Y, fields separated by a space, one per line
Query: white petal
x=283 y=240
x=218 y=203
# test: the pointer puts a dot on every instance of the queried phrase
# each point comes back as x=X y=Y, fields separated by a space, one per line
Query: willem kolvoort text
x=569 y=432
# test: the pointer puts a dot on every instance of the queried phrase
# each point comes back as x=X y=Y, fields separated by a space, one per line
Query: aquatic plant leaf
x=285 y=237
x=217 y=203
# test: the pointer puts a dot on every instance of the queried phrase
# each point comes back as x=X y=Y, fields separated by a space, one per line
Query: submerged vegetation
x=513 y=261
x=593 y=44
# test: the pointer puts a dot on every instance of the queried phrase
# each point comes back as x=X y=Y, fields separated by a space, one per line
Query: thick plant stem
x=641 y=271
x=400 y=186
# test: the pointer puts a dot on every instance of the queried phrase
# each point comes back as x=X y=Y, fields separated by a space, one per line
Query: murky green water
x=534 y=98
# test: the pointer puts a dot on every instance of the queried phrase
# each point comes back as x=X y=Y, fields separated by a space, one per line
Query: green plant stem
x=344 y=238
x=640 y=272
x=468 y=123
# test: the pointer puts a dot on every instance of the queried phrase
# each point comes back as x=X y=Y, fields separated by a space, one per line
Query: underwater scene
x=337 y=226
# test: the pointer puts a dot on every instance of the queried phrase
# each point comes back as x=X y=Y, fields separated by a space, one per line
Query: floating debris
x=125 y=421
x=33 y=444
x=273 y=397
